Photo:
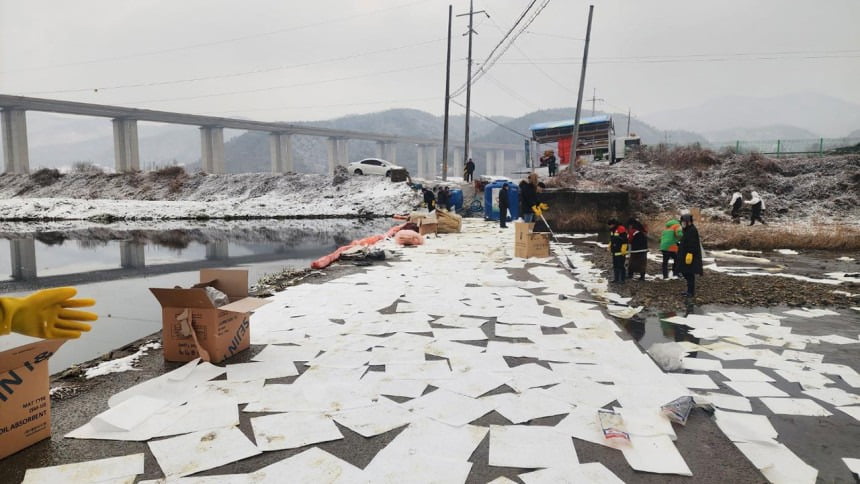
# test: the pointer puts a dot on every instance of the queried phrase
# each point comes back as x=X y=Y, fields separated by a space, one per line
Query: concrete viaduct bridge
x=127 y=156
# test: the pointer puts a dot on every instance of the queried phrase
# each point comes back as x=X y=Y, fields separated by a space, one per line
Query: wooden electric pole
x=471 y=31
x=447 y=100
x=575 y=139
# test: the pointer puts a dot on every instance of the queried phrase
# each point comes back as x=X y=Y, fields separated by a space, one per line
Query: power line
x=493 y=121
x=510 y=39
x=310 y=106
x=284 y=86
x=215 y=42
x=695 y=57
x=539 y=68
x=513 y=93
x=233 y=74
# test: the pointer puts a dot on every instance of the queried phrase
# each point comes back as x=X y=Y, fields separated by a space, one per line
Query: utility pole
x=471 y=14
x=447 y=99
x=575 y=139
x=628 y=121
x=594 y=99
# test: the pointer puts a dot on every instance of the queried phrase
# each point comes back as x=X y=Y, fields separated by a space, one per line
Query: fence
x=779 y=147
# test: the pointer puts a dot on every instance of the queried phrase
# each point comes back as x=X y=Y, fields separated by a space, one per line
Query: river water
x=116 y=264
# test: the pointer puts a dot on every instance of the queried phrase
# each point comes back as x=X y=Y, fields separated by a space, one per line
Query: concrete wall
x=572 y=211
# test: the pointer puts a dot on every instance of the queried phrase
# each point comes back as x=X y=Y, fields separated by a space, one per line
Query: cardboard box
x=192 y=326
x=427 y=228
x=25 y=401
x=529 y=244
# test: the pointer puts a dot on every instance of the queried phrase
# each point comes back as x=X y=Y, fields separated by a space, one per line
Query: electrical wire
x=503 y=45
x=313 y=106
x=492 y=120
x=214 y=42
x=284 y=86
x=234 y=74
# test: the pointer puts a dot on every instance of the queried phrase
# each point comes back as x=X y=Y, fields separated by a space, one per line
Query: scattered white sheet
x=591 y=473
x=262 y=370
x=529 y=447
x=375 y=419
x=690 y=380
x=778 y=463
x=175 y=386
x=529 y=405
x=113 y=469
x=853 y=411
x=313 y=465
x=745 y=427
x=795 y=406
x=188 y=454
x=853 y=464
x=834 y=396
x=655 y=454
x=449 y=407
x=726 y=402
x=701 y=364
x=755 y=389
x=745 y=375
x=292 y=430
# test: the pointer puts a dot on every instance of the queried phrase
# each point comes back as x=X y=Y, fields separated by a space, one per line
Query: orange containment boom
x=325 y=260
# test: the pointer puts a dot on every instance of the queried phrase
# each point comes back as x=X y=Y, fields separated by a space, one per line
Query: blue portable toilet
x=456 y=199
x=491 y=200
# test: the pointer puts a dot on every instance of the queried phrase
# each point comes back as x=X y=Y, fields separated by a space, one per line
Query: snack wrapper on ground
x=678 y=410
x=613 y=426
x=408 y=237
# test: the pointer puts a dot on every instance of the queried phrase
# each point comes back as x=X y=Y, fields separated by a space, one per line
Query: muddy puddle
x=116 y=264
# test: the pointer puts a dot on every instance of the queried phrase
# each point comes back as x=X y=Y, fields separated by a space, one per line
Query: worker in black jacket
x=690 y=254
x=503 y=205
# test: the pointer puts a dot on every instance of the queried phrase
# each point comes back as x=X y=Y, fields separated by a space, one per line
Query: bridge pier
x=430 y=161
x=520 y=158
x=212 y=152
x=343 y=151
x=491 y=163
x=500 y=162
x=389 y=151
x=131 y=255
x=23 y=259
x=125 y=145
x=13 y=123
x=338 y=154
x=458 y=162
x=281 y=147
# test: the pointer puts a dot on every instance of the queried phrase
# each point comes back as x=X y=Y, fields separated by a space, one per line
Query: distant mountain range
x=818 y=114
x=57 y=141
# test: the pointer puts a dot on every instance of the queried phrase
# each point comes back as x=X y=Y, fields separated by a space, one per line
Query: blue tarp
x=568 y=123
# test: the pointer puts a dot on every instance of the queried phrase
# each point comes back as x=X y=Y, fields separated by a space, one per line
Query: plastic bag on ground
x=408 y=237
x=667 y=355
x=678 y=410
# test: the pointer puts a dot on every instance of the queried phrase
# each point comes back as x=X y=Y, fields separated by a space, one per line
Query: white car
x=373 y=166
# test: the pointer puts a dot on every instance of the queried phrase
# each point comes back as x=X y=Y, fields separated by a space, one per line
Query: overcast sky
x=307 y=60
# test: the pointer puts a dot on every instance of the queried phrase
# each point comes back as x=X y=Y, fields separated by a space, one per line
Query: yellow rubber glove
x=536 y=210
x=689 y=259
x=543 y=206
x=623 y=249
x=46 y=314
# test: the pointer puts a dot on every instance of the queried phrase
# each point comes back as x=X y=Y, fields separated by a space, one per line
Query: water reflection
x=46 y=256
x=117 y=264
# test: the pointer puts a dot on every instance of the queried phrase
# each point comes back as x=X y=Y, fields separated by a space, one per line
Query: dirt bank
x=718 y=288
x=663 y=179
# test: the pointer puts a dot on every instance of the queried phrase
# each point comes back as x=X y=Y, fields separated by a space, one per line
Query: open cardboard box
x=529 y=244
x=192 y=326
x=25 y=401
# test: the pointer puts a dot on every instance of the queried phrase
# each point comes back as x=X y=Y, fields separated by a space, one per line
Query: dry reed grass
x=727 y=235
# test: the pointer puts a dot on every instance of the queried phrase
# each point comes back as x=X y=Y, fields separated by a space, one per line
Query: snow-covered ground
x=148 y=197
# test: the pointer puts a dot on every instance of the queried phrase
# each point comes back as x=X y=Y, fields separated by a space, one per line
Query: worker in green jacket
x=669 y=246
